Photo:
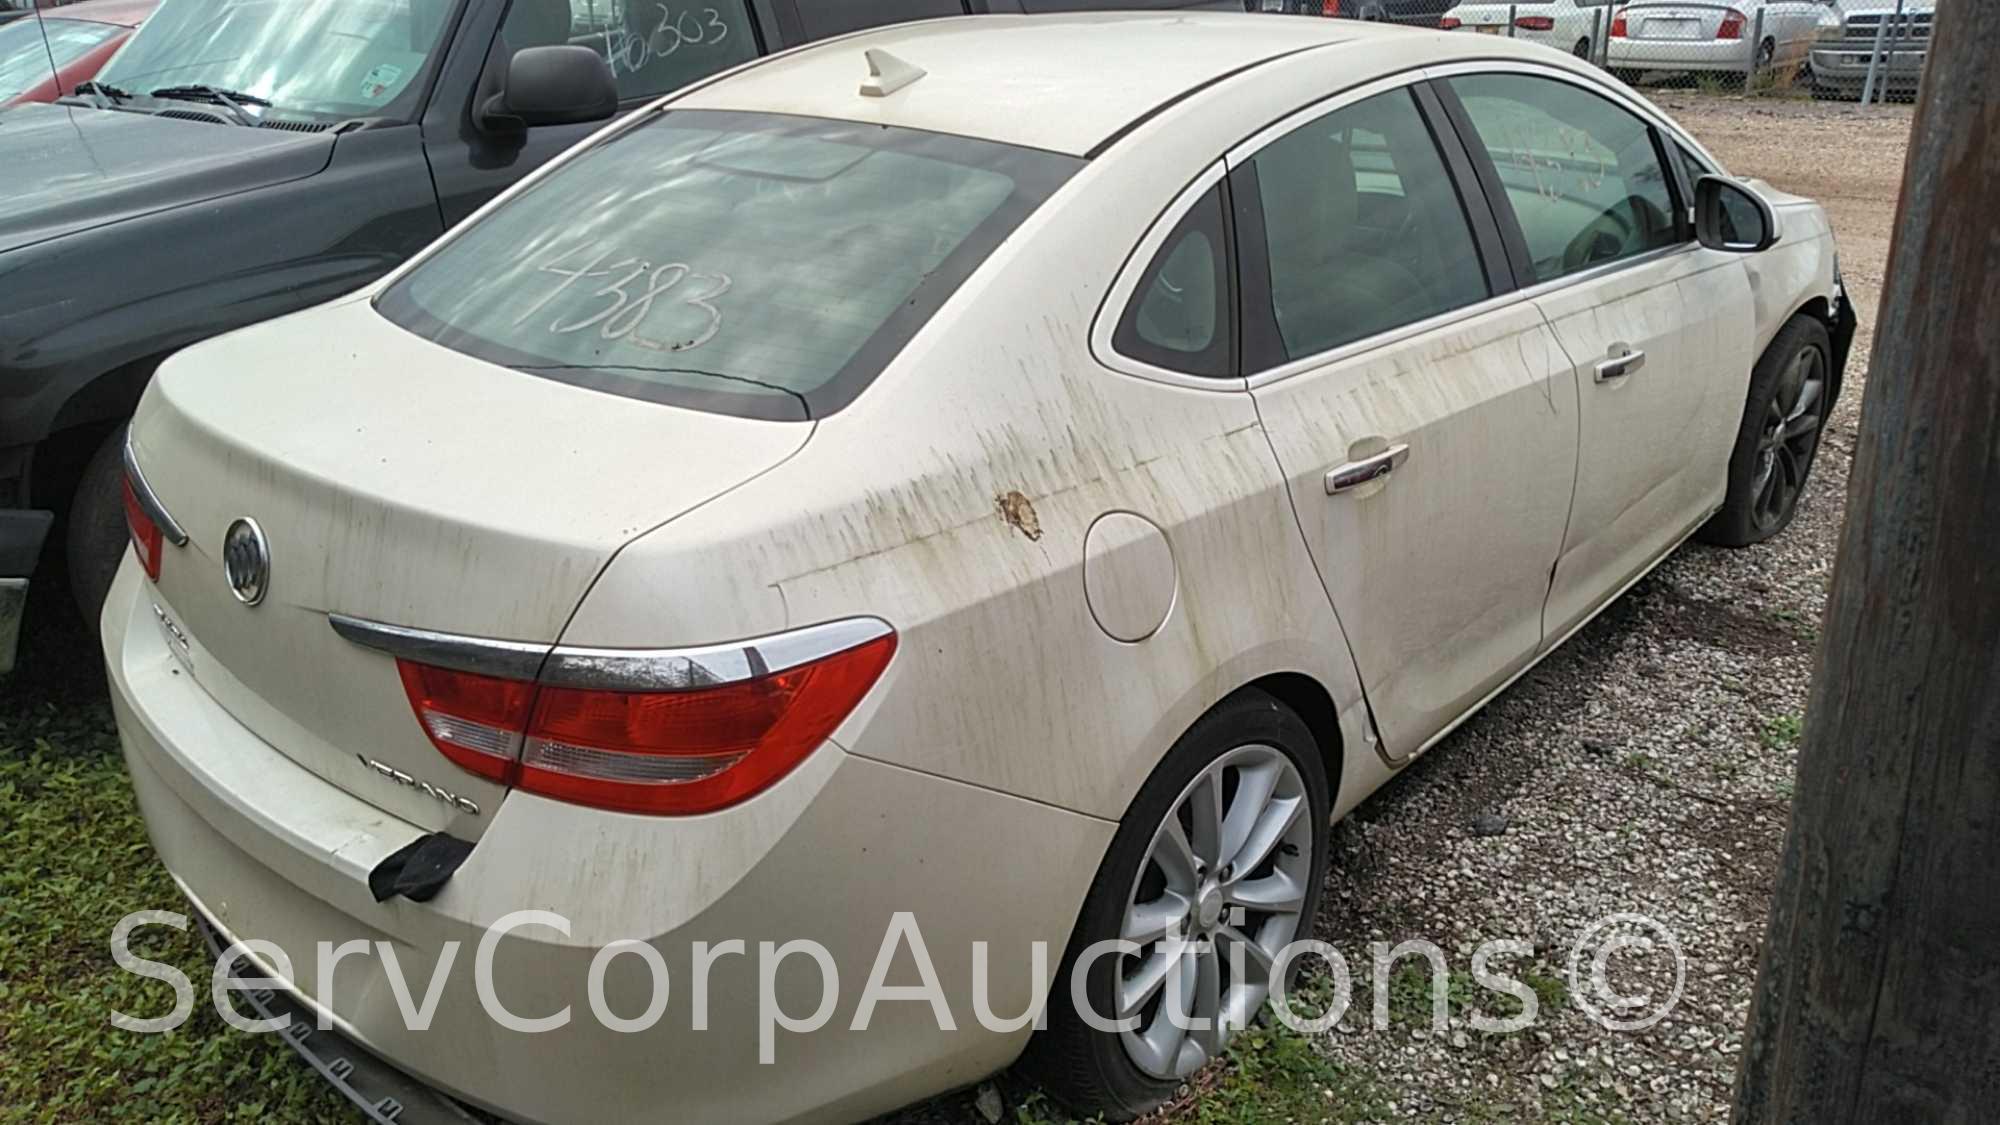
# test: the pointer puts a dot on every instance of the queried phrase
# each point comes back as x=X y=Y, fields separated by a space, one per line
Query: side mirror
x=1729 y=216
x=551 y=86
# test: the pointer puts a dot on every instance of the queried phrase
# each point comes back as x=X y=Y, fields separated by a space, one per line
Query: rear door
x=653 y=48
x=1424 y=417
x=1656 y=328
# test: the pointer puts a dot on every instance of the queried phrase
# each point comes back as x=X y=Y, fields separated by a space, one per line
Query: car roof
x=1066 y=83
x=124 y=13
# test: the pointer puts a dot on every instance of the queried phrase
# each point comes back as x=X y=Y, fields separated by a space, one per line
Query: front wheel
x=1791 y=392
x=97 y=535
x=1213 y=871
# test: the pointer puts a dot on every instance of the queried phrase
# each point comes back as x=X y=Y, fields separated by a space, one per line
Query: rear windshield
x=753 y=264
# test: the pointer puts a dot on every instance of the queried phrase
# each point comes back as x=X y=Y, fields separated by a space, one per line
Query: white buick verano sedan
x=1008 y=480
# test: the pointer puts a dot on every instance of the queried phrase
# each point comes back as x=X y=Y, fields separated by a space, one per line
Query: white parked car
x=1036 y=474
x=1576 y=26
x=1773 y=36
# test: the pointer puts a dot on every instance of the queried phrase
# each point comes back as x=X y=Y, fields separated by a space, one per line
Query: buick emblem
x=246 y=561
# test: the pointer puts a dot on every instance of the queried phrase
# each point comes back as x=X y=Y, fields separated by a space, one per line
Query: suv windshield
x=752 y=264
x=331 y=58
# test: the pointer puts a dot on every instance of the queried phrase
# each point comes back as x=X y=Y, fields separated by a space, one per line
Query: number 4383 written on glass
x=622 y=304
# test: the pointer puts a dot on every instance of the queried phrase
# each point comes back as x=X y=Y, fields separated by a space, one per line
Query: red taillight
x=1536 y=23
x=1618 y=25
x=662 y=752
x=1329 y=7
x=146 y=537
x=1449 y=23
x=1732 y=25
x=474 y=720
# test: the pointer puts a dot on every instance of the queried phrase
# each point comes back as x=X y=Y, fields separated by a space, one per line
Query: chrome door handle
x=1624 y=361
x=1354 y=474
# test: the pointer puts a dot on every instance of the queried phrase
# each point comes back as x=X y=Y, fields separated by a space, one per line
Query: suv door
x=1656 y=328
x=653 y=48
x=1421 y=413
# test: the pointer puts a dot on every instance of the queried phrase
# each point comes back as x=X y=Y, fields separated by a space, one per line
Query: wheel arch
x=97 y=406
x=1313 y=704
x=1840 y=326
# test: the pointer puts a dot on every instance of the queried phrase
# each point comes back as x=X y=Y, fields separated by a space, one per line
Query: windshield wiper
x=98 y=91
x=231 y=100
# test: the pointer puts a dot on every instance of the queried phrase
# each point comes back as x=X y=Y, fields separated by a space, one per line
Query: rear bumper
x=22 y=532
x=383 y=1094
x=1732 y=55
x=269 y=850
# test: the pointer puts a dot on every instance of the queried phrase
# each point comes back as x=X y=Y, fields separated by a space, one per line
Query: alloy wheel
x=1788 y=438
x=1219 y=895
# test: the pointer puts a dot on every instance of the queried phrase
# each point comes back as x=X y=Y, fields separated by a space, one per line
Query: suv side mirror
x=551 y=86
x=1729 y=216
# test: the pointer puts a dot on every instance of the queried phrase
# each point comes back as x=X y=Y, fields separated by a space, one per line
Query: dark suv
x=242 y=159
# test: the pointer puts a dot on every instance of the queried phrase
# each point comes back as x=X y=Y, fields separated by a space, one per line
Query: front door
x=1653 y=325
x=652 y=48
x=1425 y=421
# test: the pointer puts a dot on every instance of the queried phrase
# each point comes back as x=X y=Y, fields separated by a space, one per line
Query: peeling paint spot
x=1016 y=509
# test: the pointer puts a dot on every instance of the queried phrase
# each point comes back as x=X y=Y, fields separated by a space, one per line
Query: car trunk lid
x=1675 y=21
x=1492 y=19
x=400 y=482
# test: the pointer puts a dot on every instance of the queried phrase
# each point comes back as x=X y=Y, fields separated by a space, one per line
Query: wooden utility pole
x=1878 y=1002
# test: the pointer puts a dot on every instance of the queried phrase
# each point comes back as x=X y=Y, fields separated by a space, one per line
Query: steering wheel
x=1602 y=238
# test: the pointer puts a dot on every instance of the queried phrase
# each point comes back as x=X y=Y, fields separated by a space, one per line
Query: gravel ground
x=1645 y=767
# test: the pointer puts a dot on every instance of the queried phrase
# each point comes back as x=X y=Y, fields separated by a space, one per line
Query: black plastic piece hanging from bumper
x=419 y=869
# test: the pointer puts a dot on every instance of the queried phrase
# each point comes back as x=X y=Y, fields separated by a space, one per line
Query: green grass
x=1410 y=994
x=1782 y=732
x=1269 y=1074
x=73 y=860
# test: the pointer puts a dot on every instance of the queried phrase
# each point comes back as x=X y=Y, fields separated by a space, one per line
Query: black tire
x=97 y=535
x=1752 y=513
x=1087 y=1069
x=1581 y=49
x=1627 y=75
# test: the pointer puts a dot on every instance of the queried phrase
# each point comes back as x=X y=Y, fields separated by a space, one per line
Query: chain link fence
x=1850 y=50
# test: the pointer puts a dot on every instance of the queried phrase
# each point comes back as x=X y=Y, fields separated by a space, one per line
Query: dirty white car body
x=1078 y=552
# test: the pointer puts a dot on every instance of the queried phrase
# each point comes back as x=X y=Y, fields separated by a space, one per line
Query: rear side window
x=1581 y=173
x=752 y=264
x=652 y=47
x=1364 y=227
x=1180 y=316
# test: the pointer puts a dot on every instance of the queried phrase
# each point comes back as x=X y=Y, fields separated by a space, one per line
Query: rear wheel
x=1213 y=871
x=1581 y=49
x=97 y=536
x=1791 y=391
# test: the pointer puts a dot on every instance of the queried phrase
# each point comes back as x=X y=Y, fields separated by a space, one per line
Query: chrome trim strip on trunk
x=149 y=502
x=615 y=669
x=512 y=660
x=683 y=669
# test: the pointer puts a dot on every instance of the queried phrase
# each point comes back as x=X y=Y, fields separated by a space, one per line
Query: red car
x=80 y=38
